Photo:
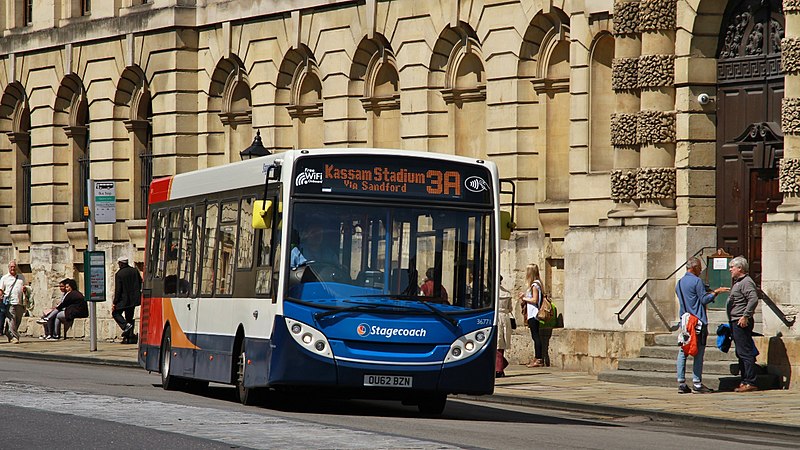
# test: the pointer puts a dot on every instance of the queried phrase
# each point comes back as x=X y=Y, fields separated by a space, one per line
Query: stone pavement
x=776 y=411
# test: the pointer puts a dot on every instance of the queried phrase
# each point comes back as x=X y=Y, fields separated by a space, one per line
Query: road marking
x=231 y=427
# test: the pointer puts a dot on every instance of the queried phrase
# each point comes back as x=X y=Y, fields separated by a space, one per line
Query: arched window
x=601 y=153
x=374 y=78
x=231 y=96
x=72 y=114
x=299 y=87
x=15 y=116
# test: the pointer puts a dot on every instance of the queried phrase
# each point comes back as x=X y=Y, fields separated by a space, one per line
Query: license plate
x=388 y=380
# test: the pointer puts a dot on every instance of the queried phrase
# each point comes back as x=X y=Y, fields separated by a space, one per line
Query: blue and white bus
x=362 y=272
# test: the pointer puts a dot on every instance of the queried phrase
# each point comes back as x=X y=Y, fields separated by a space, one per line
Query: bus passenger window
x=225 y=250
x=198 y=241
x=186 y=254
x=246 y=232
x=264 y=271
x=155 y=244
x=209 y=244
x=171 y=252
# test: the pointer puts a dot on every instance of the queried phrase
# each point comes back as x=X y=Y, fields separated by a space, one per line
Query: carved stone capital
x=656 y=71
x=790 y=55
x=623 y=129
x=236 y=118
x=626 y=18
x=789 y=178
x=655 y=127
x=657 y=15
x=303 y=111
x=476 y=94
x=624 y=74
x=382 y=103
x=790 y=115
x=655 y=183
x=791 y=6
x=623 y=184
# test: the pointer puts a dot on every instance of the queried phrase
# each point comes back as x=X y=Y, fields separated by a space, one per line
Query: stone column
x=655 y=125
x=789 y=210
x=624 y=81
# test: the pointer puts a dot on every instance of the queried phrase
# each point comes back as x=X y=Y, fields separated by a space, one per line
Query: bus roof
x=251 y=172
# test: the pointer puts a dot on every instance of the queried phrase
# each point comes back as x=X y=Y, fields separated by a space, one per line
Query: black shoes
x=128 y=328
x=702 y=389
x=684 y=389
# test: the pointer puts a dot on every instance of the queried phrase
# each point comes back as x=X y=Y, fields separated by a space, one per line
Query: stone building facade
x=592 y=107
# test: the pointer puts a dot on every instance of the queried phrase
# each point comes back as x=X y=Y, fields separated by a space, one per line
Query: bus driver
x=313 y=248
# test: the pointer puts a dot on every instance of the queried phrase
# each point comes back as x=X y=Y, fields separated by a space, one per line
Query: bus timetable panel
x=393 y=176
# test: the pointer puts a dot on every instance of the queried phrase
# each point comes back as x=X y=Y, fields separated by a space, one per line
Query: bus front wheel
x=247 y=395
x=168 y=381
x=433 y=405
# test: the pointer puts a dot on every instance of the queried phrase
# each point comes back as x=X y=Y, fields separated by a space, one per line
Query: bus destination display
x=396 y=176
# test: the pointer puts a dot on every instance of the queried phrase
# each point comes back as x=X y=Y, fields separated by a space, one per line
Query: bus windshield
x=344 y=255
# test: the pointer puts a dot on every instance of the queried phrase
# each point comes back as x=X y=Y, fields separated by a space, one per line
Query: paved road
x=94 y=407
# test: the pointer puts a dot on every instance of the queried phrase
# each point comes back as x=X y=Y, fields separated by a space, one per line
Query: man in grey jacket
x=741 y=306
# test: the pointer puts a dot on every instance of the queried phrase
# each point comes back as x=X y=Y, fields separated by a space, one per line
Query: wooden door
x=749 y=140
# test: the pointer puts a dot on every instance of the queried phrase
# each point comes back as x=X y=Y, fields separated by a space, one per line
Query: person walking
x=531 y=300
x=693 y=298
x=741 y=306
x=503 y=329
x=127 y=296
x=12 y=285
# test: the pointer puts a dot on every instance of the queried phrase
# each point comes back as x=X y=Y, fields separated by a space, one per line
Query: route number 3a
x=447 y=183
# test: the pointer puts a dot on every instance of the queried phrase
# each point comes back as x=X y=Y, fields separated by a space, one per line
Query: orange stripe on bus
x=179 y=338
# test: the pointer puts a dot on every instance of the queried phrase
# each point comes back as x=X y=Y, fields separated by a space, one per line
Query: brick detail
x=790 y=55
x=789 y=178
x=654 y=183
x=623 y=184
x=790 y=115
x=624 y=74
x=623 y=129
x=656 y=71
x=657 y=15
x=626 y=18
x=655 y=127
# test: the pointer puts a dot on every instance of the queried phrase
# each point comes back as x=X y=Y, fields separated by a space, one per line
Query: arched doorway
x=749 y=140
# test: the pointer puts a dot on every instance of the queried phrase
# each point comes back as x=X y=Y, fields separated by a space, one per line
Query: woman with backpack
x=531 y=300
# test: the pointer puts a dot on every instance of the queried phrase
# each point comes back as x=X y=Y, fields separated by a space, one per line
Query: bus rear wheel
x=247 y=395
x=432 y=405
x=168 y=381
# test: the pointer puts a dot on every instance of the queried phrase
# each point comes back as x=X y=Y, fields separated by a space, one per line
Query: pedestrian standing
x=127 y=296
x=693 y=298
x=12 y=285
x=503 y=329
x=531 y=300
x=741 y=306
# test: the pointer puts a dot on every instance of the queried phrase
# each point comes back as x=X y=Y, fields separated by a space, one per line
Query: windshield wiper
x=437 y=312
x=322 y=314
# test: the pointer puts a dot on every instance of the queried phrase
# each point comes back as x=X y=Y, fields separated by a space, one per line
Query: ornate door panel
x=749 y=141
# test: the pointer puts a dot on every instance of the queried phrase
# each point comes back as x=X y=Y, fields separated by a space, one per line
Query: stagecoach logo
x=476 y=184
x=364 y=330
x=308 y=176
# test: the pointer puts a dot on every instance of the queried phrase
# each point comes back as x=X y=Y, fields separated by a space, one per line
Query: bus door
x=180 y=285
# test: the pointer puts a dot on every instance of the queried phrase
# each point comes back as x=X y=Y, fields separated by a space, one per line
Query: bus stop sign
x=105 y=202
x=94 y=264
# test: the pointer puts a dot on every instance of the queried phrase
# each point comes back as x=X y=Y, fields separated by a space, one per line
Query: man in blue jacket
x=693 y=298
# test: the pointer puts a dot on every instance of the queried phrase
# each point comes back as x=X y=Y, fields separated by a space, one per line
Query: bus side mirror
x=262 y=214
x=506 y=225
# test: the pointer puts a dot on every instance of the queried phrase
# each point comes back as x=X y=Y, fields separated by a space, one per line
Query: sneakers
x=41 y=321
x=15 y=341
x=51 y=338
x=127 y=329
x=684 y=389
x=746 y=388
x=702 y=389
x=44 y=337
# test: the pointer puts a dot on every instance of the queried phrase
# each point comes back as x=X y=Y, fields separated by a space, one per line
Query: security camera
x=703 y=99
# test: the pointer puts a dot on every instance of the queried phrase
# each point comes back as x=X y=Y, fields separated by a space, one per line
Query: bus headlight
x=309 y=338
x=467 y=345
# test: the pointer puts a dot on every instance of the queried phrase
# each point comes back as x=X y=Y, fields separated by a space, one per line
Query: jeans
x=60 y=318
x=697 y=364
x=745 y=350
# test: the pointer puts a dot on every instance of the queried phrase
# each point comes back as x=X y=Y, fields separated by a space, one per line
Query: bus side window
x=199 y=220
x=158 y=255
x=226 y=245
x=153 y=247
x=264 y=259
x=171 y=252
x=209 y=244
x=186 y=253
x=244 y=250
